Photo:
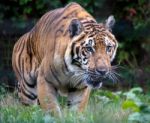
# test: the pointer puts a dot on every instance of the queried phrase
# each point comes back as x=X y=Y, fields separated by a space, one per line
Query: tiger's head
x=91 y=50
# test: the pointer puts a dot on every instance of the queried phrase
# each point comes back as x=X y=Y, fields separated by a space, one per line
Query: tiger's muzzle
x=95 y=78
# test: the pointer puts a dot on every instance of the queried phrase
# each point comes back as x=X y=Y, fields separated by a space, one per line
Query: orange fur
x=42 y=59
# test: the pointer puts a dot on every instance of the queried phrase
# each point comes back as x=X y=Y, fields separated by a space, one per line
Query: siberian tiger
x=66 y=53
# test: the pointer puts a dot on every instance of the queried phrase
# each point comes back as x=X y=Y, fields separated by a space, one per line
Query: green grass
x=103 y=107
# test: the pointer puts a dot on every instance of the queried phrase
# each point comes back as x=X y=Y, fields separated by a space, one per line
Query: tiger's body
x=49 y=60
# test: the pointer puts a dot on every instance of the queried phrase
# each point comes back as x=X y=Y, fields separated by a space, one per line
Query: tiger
x=67 y=53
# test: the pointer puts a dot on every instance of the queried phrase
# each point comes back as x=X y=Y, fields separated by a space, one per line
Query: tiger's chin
x=94 y=84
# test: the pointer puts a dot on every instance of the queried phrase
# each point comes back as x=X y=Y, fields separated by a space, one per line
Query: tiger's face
x=91 y=56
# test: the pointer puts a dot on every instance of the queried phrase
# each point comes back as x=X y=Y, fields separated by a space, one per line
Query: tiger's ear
x=110 y=22
x=75 y=27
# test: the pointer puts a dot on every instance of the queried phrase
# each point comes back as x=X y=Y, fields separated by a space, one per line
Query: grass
x=101 y=109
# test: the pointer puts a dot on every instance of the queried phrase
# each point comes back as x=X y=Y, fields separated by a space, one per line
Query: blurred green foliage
x=140 y=110
x=131 y=106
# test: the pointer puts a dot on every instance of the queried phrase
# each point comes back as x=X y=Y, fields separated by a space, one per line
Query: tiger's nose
x=102 y=72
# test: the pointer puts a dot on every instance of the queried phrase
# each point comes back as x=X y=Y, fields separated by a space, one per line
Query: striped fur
x=65 y=53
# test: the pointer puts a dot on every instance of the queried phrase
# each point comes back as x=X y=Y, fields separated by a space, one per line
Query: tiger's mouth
x=95 y=84
x=94 y=81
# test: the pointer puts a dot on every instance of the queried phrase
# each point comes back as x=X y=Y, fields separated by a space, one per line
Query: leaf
x=146 y=117
x=104 y=99
x=129 y=104
x=136 y=90
x=139 y=117
x=136 y=117
x=145 y=109
x=132 y=96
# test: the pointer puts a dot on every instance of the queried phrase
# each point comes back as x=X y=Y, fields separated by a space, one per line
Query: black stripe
x=65 y=65
x=84 y=58
x=50 y=82
x=87 y=26
x=58 y=18
x=89 y=22
x=19 y=43
x=19 y=59
x=78 y=84
x=77 y=50
x=64 y=69
x=27 y=83
x=29 y=51
x=30 y=95
x=82 y=43
x=34 y=80
x=72 y=89
x=16 y=69
x=54 y=74
x=72 y=48
x=91 y=35
x=83 y=53
x=46 y=79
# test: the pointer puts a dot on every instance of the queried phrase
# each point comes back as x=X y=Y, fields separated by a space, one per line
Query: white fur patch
x=68 y=59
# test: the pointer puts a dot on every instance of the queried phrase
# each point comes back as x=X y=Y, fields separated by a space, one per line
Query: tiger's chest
x=62 y=78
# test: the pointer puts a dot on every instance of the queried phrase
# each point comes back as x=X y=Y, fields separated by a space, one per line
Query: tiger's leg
x=79 y=99
x=27 y=94
x=26 y=77
x=47 y=96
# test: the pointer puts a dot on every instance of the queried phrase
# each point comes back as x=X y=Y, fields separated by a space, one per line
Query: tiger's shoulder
x=57 y=21
x=70 y=11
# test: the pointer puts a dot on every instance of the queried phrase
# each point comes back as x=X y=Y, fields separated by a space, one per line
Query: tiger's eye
x=89 y=49
x=108 y=48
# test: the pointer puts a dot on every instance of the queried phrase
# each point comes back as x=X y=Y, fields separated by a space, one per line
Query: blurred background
x=132 y=30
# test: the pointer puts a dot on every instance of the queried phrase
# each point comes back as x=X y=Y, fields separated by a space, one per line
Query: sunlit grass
x=99 y=110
